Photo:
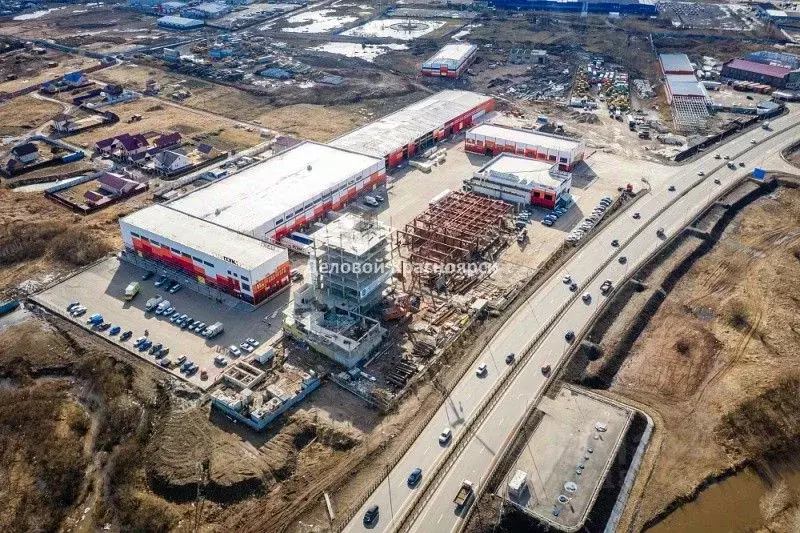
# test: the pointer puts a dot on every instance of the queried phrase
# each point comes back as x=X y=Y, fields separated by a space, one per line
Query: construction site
x=363 y=194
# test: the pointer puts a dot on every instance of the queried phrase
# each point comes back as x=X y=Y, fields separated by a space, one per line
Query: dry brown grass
x=721 y=388
x=25 y=113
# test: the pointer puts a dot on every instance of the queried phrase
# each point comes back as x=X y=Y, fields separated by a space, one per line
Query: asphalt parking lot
x=101 y=287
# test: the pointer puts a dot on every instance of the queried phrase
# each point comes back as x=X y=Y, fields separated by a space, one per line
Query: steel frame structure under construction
x=458 y=228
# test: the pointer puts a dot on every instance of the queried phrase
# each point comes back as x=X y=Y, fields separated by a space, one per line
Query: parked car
x=79 y=311
x=414 y=477
x=671 y=188
x=445 y=436
x=145 y=345
x=221 y=360
x=252 y=342
x=175 y=288
x=168 y=311
x=573 y=286
x=162 y=352
x=114 y=330
x=185 y=365
x=192 y=369
x=586 y=297
x=103 y=326
x=139 y=340
x=295 y=275
x=481 y=370
x=566 y=279
x=175 y=316
x=200 y=327
x=622 y=260
x=546 y=222
x=72 y=306
x=546 y=370
x=161 y=281
x=569 y=335
x=165 y=362
x=125 y=335
x=156 y=348
x=246 y=347
x=637 y=216
x=371 y=516
x=234 y=350
x=180 y=360
x=147 y=275
x=510 y=358
x=378 y=198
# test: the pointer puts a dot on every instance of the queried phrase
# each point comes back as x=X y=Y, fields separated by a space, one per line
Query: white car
x=234 y=350
x=701 y=173
x=221 y=360
x=566 y=279
x=586 y=297
x=445 y=436
x=252 y=342
x=481 y=370
x=246 y=347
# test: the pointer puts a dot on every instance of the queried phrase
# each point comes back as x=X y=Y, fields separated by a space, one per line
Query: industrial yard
x=255 y=255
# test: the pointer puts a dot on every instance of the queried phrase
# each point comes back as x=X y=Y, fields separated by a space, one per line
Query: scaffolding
x=690 y=112
x=460 y=229
x=350 y=263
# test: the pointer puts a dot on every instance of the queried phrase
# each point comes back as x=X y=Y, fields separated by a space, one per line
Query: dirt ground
x=161 y=116
x=301 y=114
x=25 y=113
x=40 y=239
x=32 y=68
x=719 y=349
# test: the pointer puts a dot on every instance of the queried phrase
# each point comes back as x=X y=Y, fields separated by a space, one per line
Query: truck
x=131 y=290
x=213 y=330
x=153 y=302
x=464 y=493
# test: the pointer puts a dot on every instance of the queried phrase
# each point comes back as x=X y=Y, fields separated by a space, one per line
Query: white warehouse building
x=522 y=181
x=493 y=139
x=451 y=61
x=239 y=265
x=272 y=199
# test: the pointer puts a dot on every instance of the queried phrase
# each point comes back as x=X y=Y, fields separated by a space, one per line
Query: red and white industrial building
x=237 y=264
x=522 y=181
x=492 y=139
x=451 y=61
x=286 y=192
x=418 y=126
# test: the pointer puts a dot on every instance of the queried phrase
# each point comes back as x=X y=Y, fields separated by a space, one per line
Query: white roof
x=776 y=13
x=207 y=238
x=675 y=63
x=530 y=138
x=522 y=170
x=685 y=85
x=247 y=200
x=451 y=55
x=393 y=132
x=352 y=234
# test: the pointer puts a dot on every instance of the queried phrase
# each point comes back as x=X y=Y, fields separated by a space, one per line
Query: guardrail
x=436 y=477
x=533 y=284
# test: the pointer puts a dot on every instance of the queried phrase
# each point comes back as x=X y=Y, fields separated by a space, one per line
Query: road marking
x=501 y=422
x=440 y=518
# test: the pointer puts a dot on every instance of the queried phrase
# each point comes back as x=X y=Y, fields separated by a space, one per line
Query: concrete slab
x=568 y=456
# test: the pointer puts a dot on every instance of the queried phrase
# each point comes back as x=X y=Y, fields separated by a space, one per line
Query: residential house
x=63 y=123
x=124 y=145
x=25 y=153
x=168 y=140
x=116 y=184
x=170 y=162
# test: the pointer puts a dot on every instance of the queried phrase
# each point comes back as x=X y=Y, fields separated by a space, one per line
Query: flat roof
x=675 y=63
x=392 y=132
x=570 y=453
x=776 y=71
x=205 y=237
x=179 y=21
x=352 y=234
x=685 y=85
x=523 y=170
x=451 y=55
x=246 y=200
x=531 y=138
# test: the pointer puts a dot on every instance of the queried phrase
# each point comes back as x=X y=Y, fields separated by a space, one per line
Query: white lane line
x=440 y=518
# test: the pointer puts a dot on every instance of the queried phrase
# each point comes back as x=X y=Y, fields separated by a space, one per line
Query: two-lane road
x=435 y=511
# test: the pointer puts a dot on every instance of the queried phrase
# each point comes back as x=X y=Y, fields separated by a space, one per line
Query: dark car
x=414 y=477
x=147 y=275
x=371 y=516
x=156 y=348
x=510 y=358
x=126 y=335
x=569 y=335
x=623 y=259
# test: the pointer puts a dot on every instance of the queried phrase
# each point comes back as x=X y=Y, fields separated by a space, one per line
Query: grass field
x=25 y=113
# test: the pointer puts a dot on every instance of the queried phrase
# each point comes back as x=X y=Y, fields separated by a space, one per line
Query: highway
x=430 y=503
